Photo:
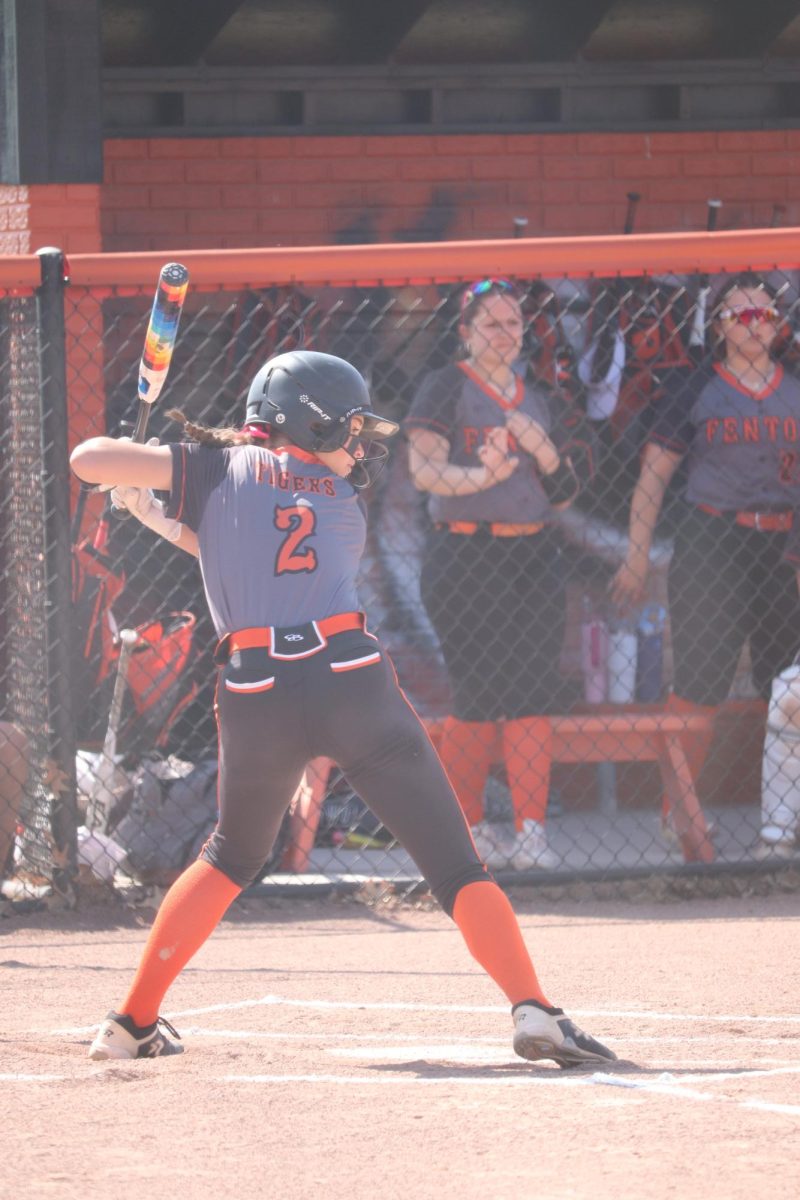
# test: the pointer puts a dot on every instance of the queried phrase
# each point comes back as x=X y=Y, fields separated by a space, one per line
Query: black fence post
x=58 y=562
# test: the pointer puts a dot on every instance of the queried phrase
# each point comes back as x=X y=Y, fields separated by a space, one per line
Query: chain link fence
x=581 y=558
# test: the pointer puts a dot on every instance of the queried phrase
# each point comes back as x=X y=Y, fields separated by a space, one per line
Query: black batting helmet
x=309 y=398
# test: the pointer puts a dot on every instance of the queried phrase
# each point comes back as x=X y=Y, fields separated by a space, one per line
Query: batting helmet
x=310 y=397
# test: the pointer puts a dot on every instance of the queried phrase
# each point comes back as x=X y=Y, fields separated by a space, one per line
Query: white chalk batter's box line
x=485 y=1051
x=640 y=1089
x=469 y=1048
x=636 y=1089
x=401 y=1006
x=482 y=1051
x=392 y=1036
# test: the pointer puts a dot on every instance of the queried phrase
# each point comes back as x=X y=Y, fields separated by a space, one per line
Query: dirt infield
x=336 y=1050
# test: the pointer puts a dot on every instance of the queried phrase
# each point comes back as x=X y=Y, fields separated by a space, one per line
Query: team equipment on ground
x=99 y=808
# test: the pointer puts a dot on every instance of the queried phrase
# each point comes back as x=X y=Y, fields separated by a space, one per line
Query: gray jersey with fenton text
x=454 y=403
x=743 y=448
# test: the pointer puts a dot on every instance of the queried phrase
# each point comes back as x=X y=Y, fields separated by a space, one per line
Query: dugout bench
x=609 y=733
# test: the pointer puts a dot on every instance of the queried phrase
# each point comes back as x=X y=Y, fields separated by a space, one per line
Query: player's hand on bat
x=137 y=501
x=141 y=503
x=494 y=456
x=152 y=441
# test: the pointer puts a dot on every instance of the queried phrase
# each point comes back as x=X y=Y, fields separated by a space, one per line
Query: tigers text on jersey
x=280 y=536
x=460 y=407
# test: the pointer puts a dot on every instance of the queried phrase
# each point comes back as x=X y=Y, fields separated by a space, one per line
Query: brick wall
x=14 y=220
x=222 y=192
x=64 y=215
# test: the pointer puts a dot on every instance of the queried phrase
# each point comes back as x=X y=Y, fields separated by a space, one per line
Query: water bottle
x=622 y=656
x=650 y=660
x=594 y=654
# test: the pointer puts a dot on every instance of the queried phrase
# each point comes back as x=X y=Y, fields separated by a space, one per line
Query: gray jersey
x=280 y=536
x=456 y=404
x=744 y=449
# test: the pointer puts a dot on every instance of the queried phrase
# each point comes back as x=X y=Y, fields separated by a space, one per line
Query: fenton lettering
x=734 y=430
x=475 y=437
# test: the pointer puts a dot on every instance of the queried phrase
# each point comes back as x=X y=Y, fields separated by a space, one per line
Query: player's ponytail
x=205 y=435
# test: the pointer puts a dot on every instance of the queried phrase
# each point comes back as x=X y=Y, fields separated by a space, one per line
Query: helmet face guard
x=367 y=469
x=309 y=398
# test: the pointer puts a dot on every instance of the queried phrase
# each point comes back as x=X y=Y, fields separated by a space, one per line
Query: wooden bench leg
x=304 y=814
x=690 y=823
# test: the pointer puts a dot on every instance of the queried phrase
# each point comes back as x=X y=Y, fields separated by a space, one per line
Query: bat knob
x=175 y=274
x=128 y=637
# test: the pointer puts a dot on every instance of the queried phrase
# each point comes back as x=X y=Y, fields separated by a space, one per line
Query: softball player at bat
x=273 y=511
x=492 y=579
x=733 y=572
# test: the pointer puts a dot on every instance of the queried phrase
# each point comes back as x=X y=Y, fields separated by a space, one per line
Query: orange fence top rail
x=578 y=257
x=20 y=271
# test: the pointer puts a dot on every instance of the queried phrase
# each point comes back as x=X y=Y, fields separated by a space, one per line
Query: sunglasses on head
x=483 y=287
x=749 y=315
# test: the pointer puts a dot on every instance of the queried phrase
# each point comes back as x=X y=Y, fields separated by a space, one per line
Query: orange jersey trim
x=492 y=393
x=771 y=387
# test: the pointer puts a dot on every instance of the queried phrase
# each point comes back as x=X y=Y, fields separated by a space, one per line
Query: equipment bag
x=173 y=811
x=171 y=815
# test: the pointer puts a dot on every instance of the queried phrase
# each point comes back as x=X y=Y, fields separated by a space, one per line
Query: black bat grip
x=712 y=215
x=630 y=215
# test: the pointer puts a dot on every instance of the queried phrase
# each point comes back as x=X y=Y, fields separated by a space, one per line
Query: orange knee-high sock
x=466 y=750
x=528 y=753
x=491 y=931
x=695 y=745
x=189 y=913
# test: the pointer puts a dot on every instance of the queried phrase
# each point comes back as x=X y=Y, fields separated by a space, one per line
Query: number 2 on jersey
x=299 y=522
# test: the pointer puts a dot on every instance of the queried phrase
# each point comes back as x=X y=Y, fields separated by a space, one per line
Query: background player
x=732 y=576
x=274 y=512
x=492 y=579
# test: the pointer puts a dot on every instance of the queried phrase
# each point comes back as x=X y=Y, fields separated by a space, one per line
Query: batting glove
x=142 y=504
